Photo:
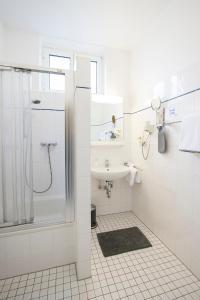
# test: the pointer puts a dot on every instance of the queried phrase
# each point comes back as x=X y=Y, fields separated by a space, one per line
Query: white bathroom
x=99 y=149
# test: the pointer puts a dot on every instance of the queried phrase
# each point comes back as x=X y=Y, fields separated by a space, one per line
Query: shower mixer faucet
x=48 y=144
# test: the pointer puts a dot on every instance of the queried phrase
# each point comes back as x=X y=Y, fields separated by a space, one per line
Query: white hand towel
x=190 y=134
x=132 y=174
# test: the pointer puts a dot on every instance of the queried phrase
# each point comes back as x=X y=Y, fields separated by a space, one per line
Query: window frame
x=99 y=61
x=46 y=52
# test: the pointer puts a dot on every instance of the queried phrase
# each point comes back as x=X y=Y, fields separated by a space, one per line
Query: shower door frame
x=69 y=162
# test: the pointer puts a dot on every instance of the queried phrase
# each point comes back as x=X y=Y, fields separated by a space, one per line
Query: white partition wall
x=82 y=165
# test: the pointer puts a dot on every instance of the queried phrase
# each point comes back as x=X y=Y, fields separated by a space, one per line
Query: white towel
x=190 y=134
x=132 y=174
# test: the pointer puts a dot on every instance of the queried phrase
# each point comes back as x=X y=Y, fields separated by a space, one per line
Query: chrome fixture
x=107 y=187
x=48 y=144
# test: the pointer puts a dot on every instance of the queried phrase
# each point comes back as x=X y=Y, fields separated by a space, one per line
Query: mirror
x=156 y=103
x=106 y=118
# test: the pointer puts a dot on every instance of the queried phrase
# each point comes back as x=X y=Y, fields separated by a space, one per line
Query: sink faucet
x=107 y=164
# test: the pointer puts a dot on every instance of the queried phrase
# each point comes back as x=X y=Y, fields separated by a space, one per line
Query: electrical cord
x=144 y=143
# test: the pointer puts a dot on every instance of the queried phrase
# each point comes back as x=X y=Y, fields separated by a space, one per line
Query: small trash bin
x=93 y=216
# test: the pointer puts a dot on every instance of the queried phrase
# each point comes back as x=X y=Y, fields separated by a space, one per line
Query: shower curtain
x=16 y=190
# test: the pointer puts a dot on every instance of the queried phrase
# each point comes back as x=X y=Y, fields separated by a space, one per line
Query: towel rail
x=138 y=168
x=134 y=166
x=173 y=122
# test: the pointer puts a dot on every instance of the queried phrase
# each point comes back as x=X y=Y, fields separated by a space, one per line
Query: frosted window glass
x=57 y=82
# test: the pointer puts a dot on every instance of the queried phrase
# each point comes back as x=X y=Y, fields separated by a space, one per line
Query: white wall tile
x=17 y=247
x=119 y=201
x=41 y=243
x=37 y=249
x=166 y=200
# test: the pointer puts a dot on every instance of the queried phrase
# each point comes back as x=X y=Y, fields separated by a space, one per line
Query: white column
x=82 y=165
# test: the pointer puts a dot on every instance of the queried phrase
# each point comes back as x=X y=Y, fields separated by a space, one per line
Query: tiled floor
x=152 y=273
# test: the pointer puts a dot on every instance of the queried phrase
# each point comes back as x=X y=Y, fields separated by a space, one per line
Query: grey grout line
x=165 y=245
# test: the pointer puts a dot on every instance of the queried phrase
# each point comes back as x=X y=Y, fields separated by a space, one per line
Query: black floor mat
x=122 y=240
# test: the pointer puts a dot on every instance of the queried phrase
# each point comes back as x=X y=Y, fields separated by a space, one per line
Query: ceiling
x=113 y=23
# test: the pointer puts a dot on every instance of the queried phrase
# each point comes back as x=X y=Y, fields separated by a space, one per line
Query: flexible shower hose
x=51 y=174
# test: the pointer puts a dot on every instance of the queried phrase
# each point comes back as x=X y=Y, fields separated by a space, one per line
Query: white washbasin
x=110 y=173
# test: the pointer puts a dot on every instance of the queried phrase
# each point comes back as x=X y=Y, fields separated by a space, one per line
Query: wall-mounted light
x=99 y=98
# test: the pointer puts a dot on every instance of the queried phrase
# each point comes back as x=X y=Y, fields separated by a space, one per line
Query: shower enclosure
x=35 y=149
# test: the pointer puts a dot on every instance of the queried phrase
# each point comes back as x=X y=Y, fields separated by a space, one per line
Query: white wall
x=1 y=41
x=20 y=46
x=166 y=64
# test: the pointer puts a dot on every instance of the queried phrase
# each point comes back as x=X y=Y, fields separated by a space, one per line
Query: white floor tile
x=151 y=273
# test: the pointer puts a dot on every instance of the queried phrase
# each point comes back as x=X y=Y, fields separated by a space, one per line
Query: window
x=57 y=82
x=61 y=60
